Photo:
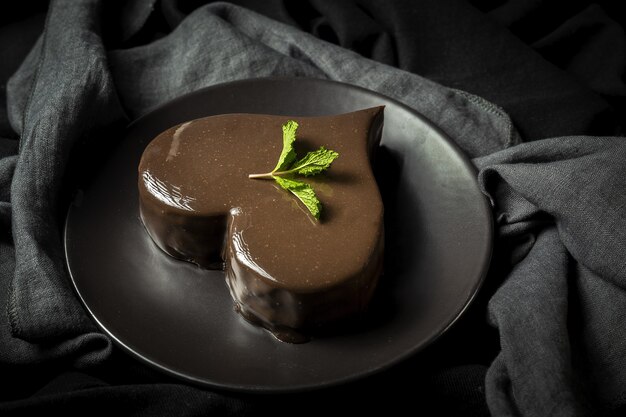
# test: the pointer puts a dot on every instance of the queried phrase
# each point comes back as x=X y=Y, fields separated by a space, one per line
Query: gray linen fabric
x=560 y=205
x=559 y=202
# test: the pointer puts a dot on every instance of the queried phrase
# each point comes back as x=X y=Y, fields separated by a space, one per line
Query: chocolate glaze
x=285 y=270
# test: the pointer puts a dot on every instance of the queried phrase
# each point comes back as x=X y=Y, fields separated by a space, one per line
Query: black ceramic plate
x=180 y=318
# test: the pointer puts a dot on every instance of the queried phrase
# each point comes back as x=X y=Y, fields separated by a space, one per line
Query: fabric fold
x=62 y=93
x=221 y=42
x=558 y=310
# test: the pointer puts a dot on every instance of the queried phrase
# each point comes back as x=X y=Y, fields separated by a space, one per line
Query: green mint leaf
x=304 y=192
x=288 y=154
x=314 y=162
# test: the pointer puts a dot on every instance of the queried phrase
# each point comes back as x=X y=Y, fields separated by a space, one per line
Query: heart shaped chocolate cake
x=287 y=270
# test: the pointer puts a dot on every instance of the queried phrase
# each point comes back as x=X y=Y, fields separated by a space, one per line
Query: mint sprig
x=289 y=165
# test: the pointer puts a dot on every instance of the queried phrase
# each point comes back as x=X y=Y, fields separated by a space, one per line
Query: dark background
x=556 y=67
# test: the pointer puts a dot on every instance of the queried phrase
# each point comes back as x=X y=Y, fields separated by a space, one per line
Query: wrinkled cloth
x=559 y=312
x=559 y=203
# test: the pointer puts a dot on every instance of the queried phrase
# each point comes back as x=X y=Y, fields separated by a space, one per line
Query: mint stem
x=270 y=175
x=266 y=176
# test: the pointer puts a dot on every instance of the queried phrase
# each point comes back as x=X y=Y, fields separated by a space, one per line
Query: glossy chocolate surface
x=285 y=270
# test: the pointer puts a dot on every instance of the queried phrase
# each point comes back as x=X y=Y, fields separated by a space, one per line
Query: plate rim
x=301 y=388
